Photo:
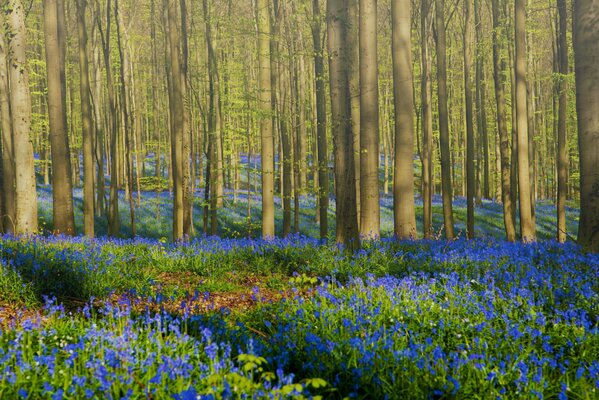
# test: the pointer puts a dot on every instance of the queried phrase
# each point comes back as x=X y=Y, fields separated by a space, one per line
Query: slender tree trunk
x=586 y=53
x=403 y=176
x=504 y=142
x=321 y=121
x=177 y=117
x=266 y=128
x=353 y=40
x=186 y=142
x=62 y=191
x=427 y=119
x=481 y=98
x=345 y=183
x=562 y=143
x=86 y=119
x=470 y=172
x=444 y=121
x=527 y=227
x=7 y=213
x=20 y=103
x=370 y=213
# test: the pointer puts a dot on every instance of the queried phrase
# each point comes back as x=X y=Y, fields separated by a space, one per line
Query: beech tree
x=586 y=53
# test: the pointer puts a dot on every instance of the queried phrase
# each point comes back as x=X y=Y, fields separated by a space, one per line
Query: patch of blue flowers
x=413 y=319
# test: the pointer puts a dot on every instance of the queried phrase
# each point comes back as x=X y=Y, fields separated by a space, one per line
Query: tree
x=20 y=106
x=504 y=141
x=345 y=183
x=468 y=103
x=266 y=128
x=62 y=191
x=427 y=118
x=321 y=120
x=562 y=145
x=7 y=212
x=86 y=118
x=527 y=228
x=586 y=53
x=403 y=177
x=444 y=120
x=370 y=213
x=177 y=118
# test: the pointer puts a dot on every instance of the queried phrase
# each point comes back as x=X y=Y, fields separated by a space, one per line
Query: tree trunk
x=62 y=191
x=177 y=117
x=481 y=98
x=7 y=213
x=321 y=121
x=586 y=53
x=444 y=121
x=345 y=183
x=353 y=43
x=20 y=106
x=470 y=173
x=86 y=119
x=527 y=228
x=504 y=142
x=370 y=213
x=266 y=128
x=403 y=176
x=427 y=119
x=562 y=144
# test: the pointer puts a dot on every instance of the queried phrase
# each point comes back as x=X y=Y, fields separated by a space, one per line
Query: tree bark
x=266 y=128
x=345 y=183
x=586 y=53
x=20 y=106
x=427 y=118
x=86 y=119
x=177 y=117
x=8 y=212
x=404 y=216
x=446 y=186
x=562 y=144
x=62 y=190
x=470 y=173
x=370 y=213
x=527 y=228
x=321 y=120
x=504 y=141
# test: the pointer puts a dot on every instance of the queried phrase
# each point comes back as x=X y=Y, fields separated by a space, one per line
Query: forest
x=299 y=199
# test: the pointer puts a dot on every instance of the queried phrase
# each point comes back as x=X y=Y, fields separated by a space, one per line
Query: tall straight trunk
x=113 y=207
x=527 y=228
x=20 y=103
x=266 y=127
x=562 y=139
x=62 y=190
x=446 y=186
x=470 y=173
x=481 y=99
x=302 y=134
x=177 y=118
x=321 y=121
x=370 y=212
x=504 y=141
x=586 y=53
x=345 y=183
x=99 y=153
x=287 y=158
x=353 y=43
x=186 y=142
x=403 y=176
x=427 y=118
x=127 y=132
x=86 y=119
x=7 y=213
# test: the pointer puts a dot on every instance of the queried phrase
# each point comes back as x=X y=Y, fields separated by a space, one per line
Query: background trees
x=203 y=99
